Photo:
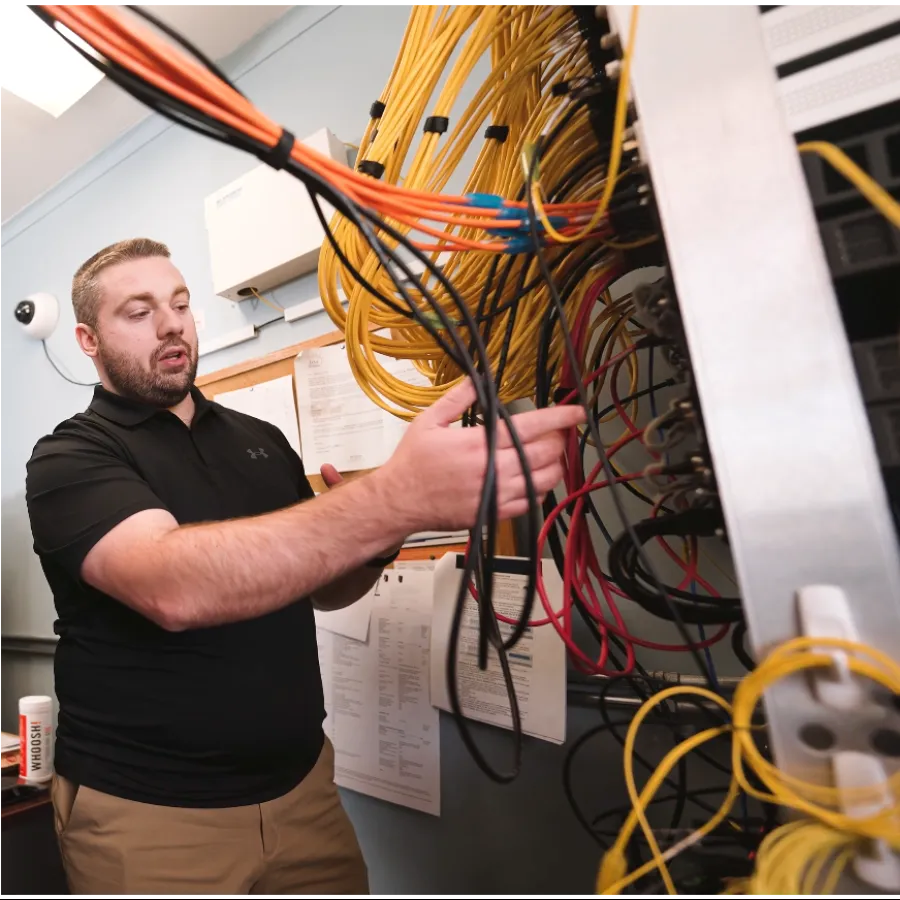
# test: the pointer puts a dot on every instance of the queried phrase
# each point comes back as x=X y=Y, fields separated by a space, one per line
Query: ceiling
x=38 y=151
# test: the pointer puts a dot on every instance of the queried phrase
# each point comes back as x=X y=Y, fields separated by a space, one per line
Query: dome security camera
x=38 y=315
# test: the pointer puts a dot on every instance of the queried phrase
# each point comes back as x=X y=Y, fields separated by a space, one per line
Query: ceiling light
x=39 y=66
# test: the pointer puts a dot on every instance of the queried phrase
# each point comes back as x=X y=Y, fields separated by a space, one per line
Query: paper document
x=353 y=620
x=272 y=401
x=386 y=733
x=436 y=538
x=339 y=423
x=422 y=565
x=537 y=662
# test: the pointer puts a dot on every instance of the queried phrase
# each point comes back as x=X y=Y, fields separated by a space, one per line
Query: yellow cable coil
x=838 y=833
x=527 y=51
x=530 y=48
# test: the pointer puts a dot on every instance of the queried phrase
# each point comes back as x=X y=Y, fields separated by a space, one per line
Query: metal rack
x=795 y=462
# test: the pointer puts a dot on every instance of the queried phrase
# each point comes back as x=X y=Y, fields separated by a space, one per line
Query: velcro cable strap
x=376 y=110
x=436 y=124
x=371 y=167
x=279 y=155
x=497 y=133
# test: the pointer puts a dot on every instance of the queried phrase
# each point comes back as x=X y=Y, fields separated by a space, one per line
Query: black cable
x=694 y=608
x=63 y=374
x=665 y=798
x=681 y=781
x=680 y=796
x=184 y=42
x=739 y=647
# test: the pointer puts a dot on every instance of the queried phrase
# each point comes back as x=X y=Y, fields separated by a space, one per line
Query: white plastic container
x=36 y=739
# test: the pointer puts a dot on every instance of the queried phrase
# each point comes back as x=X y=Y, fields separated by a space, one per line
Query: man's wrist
x=396 y=518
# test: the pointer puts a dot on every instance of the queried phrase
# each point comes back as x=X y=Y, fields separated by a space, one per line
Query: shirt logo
x=255 y=454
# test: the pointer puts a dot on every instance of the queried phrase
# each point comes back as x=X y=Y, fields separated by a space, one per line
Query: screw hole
x=246 y=292
x=817 y=737
x=885 y=741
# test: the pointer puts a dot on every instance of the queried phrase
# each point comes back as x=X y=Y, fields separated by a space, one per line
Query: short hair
x=85 y=288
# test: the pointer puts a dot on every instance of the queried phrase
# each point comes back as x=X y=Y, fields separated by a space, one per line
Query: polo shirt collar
x=126 y=411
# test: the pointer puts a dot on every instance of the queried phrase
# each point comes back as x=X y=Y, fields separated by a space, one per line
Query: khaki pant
x=302 y=843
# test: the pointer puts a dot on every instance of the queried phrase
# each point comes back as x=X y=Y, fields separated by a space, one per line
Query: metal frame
x=793 y=451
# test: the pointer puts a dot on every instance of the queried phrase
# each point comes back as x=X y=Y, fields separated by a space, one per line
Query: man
x=185 y=552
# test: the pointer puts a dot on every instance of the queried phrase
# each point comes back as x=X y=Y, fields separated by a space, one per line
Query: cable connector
x=507 y=213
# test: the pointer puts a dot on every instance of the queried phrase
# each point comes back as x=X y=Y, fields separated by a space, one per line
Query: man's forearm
x=347 y=589
x=205 y=575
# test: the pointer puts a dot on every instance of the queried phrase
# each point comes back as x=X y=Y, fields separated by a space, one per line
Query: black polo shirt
x=213 y=717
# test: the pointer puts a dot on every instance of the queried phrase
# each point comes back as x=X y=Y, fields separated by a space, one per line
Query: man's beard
x=156 y=387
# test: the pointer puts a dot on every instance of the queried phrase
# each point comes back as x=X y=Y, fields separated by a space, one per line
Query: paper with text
x=385 y=732
x=423 y=565
x=352 y=621
x=537 y=662
x=339 y=423
x=272 y=401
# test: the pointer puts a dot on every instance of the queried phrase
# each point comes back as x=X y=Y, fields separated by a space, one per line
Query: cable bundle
x=838 y=831
x=535 y=93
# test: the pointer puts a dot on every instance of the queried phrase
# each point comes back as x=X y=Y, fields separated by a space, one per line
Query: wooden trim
x=323 y=340
x=14 y=809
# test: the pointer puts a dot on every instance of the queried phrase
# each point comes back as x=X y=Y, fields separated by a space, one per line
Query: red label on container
x=23 y=731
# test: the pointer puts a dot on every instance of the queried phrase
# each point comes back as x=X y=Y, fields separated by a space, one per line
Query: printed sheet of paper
x=339 y=424
x=537 y=662
x=385 y=732
x=353 y=620
x=421 y=565
x=272 y=401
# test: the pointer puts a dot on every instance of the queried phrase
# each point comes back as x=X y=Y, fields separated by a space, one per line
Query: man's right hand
x=436 y=475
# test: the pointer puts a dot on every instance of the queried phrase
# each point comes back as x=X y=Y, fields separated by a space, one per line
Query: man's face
x=146 y=340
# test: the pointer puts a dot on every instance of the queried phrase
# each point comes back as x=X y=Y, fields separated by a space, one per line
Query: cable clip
x=865 y=792
x=825 y=612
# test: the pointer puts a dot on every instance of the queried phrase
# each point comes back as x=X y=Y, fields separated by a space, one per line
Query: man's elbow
x=166 y=610
x=172 y=619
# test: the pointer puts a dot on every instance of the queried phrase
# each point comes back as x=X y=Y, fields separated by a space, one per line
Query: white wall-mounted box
x=263 y=230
